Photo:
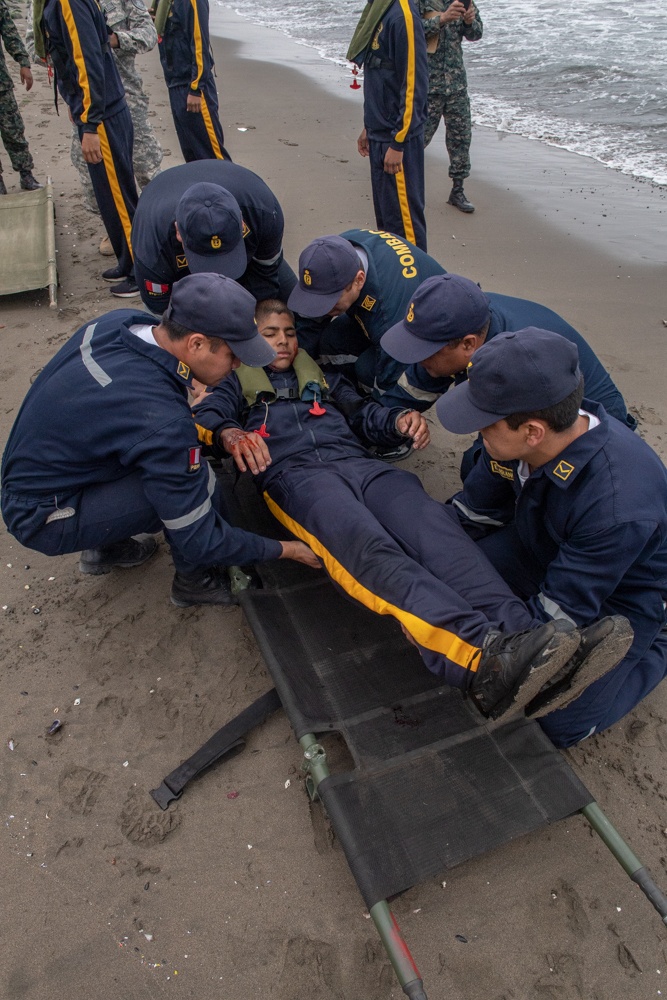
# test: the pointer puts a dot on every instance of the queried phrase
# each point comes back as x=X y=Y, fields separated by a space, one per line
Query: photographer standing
x=446 y=24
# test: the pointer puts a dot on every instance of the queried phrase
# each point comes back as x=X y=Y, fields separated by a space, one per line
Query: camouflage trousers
x=455 y=109
x=12 y=132
x=146 y=153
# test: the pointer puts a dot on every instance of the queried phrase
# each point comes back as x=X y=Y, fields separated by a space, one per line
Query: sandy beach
x=246 y=897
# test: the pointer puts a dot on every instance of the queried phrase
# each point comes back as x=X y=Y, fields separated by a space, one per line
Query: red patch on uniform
x=194 y=459
x=153 y=288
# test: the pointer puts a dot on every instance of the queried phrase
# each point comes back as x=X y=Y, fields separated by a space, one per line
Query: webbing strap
x=229 y=738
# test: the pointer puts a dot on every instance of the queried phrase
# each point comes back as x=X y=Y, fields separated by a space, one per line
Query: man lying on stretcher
x=383 y=540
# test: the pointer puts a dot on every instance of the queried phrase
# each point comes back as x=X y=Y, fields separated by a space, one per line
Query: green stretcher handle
x=161 y=14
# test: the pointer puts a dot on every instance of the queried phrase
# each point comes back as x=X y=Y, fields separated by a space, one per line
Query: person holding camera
x=446 y=24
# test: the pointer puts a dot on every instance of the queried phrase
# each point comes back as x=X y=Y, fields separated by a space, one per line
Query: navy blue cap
x=218 y=307
x=211 y=228
x=326 y=268
x=445 y=307
x=513 y=373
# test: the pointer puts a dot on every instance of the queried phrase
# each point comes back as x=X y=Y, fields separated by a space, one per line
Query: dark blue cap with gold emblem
x=326 y=267
x=445 y=307
x=219 y=307
x=513 y=373
x=211 y=228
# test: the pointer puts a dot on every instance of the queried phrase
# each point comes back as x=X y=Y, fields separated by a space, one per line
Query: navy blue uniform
x=395 y=270
x=187 y=63
x=77 y=42
x=104 y=447
x=395 y=104
x=417 y=389
x=373 y=526
x=159 y=255
x=586 y=537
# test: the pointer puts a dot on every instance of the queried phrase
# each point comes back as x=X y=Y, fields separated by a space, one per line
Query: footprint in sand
x=80 y=788
x=143 y=822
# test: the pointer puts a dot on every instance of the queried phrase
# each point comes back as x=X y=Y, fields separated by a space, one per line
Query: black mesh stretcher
x=431 y=783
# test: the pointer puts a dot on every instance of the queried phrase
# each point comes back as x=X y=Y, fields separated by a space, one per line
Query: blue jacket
x=159 y=256
x=185 y=48
x=595 y=518
x=299 y=438
x=77 y=41
x=396 y=77
x=106 y=405
x=416 y=389
x=396 y=268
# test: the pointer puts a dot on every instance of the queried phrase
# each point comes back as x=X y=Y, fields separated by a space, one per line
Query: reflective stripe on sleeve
x=477 y=518
x=176 y=523
x=272 y=260
x=553 y=609
x=412 y=390
x=86 y=349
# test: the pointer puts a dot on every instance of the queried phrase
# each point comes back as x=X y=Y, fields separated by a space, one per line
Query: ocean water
x=590 y=78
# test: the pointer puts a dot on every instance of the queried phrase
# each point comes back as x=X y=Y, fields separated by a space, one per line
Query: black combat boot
x=603 y=645
x=516 y=665
x=458 y=199
x=206 y=586
x=3 y=189
x=28 y=182
x=122 y=555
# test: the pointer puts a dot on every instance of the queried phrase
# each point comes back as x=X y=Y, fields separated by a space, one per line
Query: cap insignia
x=307 y=280
x=411 y=313
x=216 y=242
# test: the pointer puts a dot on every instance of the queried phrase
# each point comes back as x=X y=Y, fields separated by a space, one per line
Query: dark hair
x=482 y=332
x=176 y=331
x=268 y=306
x=558 y=417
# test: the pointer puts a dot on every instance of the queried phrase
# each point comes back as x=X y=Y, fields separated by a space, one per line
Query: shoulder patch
x=563 y=470
x=194 y=459
x=183 y=370
x=246 y=228
x=502 y=470
x=368 y=303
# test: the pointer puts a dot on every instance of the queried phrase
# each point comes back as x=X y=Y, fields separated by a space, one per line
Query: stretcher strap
x=227 y=740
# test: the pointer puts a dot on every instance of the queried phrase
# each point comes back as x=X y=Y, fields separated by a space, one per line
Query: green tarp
x=28 y=242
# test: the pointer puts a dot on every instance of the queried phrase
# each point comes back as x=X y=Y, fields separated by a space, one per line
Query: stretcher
x=431 y=785
x=28 y=243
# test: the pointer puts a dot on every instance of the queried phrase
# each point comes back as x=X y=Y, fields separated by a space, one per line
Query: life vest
x=257 y=388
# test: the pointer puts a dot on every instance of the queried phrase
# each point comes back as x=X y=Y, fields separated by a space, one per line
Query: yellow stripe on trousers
x=439 y=640
x=198 y=46
x=404 y=206
x=112 y=177
x=410 y=74
x=79 y=61
x=208 y=122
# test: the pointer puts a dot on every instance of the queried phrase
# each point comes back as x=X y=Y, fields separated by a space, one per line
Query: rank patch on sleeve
x=501 y=470
x=194 y=459
x=153 y=288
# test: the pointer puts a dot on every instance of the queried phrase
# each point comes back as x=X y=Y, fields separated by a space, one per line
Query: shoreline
x=244 y=895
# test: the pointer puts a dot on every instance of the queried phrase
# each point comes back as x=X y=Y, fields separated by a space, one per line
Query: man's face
x=451 y=360
x=349 y=295
x=209 y=360
x=504 y=444
x=278 y=329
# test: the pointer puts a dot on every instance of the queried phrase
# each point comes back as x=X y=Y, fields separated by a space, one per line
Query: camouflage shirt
x=446 y=70
x=13 y=44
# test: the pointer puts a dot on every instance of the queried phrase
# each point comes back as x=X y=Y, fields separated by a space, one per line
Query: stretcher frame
x=28 y=243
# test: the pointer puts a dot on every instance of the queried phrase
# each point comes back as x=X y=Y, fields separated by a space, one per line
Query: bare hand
x=413 y=425
x=470 y=14
x=248 y=449
x=199 y=391
x=90 y=147
x=300 y=552
x=26 y=77
x=193 y=104
x=393 y=161
x=113 y=40
x=362 y=144
x=453 y=12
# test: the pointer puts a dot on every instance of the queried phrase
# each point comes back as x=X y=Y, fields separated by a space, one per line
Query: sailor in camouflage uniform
x=133 y=29
x=11 y=124
x=446 y=24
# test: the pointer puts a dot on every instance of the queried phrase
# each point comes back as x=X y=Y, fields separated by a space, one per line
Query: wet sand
x=247 y=897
